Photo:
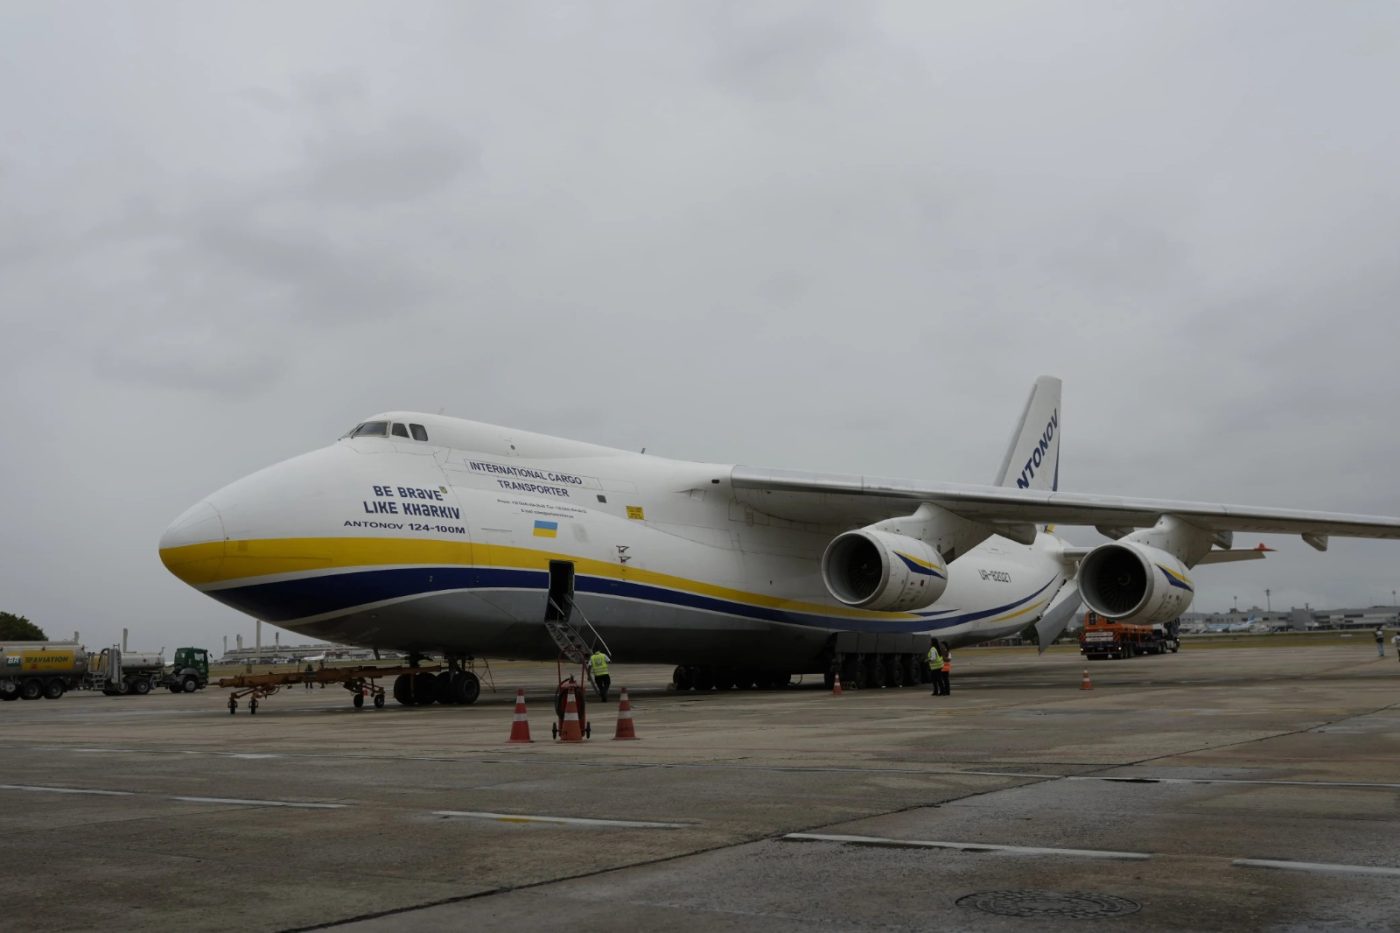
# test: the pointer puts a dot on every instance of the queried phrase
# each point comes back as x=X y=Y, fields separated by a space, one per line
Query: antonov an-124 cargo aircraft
x=433 y=535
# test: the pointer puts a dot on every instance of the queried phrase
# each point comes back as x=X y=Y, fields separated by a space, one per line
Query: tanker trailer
x=29 y=670
x=116 y=672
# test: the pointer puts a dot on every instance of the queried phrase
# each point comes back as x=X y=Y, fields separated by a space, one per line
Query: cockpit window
x=371 y=429
x=420 y=433
x=399 y=430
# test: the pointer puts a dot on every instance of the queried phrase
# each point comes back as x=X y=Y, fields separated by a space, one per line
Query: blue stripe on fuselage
x=288 y=600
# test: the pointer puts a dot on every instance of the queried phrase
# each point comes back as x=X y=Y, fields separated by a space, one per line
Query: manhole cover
x=1059 y=905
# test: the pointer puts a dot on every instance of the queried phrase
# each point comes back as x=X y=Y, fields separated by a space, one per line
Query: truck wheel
x=31 y=689
x=54 y=689
x=12 y=695
x=191 y=684
x=141 y=687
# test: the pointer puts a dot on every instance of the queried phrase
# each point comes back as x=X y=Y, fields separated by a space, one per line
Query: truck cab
x=189 y=671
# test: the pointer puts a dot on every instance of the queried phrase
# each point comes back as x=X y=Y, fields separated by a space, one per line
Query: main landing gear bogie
x=703 y=678
x=451 y=688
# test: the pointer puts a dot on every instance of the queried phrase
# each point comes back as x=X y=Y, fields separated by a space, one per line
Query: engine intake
x=879 y=570
x=1131 y=582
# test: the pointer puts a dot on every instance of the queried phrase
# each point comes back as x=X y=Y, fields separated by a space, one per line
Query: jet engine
x=880 y=570
x=1130 y=582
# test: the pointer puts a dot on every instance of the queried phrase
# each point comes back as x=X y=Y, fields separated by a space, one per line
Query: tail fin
x=1033 y=459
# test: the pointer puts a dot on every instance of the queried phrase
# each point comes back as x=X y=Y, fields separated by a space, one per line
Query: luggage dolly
x=561 y=700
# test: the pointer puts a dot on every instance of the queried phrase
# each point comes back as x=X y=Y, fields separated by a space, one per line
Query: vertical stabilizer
x=1033 y=459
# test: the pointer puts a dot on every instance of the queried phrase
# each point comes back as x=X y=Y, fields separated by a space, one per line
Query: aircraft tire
x=446 y=695
x=724 y=678
x=894 y=670
x=681 y=678
x=424 y=689
x=911 y=669
x=401 y=690
x=704 y=679
x=829 y=680
x=466 y=688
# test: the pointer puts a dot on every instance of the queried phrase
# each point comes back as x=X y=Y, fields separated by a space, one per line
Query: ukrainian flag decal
x=545 y=529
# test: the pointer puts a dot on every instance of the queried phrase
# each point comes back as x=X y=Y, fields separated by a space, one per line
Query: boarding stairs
x=576 y=640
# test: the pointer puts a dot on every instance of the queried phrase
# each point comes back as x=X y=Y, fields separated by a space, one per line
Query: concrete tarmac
x=1224 y=789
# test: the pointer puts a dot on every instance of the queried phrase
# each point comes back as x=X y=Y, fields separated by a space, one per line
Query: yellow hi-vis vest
x=600 y=664
x=935 y=660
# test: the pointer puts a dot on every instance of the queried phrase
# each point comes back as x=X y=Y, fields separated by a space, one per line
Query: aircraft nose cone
x=193 y=546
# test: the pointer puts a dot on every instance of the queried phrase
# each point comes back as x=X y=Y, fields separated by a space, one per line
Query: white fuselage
x=444 y=545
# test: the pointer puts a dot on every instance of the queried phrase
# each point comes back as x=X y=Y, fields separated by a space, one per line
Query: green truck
x=189 y=671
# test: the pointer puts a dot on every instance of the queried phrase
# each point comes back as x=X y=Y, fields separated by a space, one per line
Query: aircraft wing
x=828 y=498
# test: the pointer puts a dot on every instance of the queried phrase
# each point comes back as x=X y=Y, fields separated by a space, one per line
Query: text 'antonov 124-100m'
x=433 y=535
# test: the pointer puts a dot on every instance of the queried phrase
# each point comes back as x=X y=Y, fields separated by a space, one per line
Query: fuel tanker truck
x=116 y=672
x=33 y=669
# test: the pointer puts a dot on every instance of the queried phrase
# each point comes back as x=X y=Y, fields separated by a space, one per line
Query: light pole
x=1237 y=604
x=1268 y=601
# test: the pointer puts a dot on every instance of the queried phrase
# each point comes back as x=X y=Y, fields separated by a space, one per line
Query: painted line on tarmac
x=1148 y=779
x=67 y=790
x=571 y=820
x=1318 y=867
x=881 y=841
x=263 y=803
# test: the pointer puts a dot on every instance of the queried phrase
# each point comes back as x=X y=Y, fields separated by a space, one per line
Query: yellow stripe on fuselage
x=220 y=562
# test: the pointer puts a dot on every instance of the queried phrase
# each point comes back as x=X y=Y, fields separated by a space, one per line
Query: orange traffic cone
x=836 y=687
x=570 y=730
x=625 y=729
x=520 y=729
x=1086 y=683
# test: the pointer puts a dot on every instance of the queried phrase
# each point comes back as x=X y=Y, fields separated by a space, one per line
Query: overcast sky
x=829 y=236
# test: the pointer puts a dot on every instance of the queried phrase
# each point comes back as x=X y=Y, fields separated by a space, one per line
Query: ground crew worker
x=1396 y=639
x=310 y=673
x=1380 y=642
x=935 y=667
x=945 y=673
x=599 y=666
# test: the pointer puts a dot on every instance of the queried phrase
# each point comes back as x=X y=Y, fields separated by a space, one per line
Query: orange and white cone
x=625 y=729
x=1086 y=683
x=520 y=729
x=570 y=730
x=836 y=686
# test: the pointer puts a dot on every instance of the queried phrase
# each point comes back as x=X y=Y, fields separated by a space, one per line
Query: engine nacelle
x=1130 y=582
x=880 y=570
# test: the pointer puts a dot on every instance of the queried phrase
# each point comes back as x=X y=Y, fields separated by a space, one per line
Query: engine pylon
x=520 y=728
x=625 y=729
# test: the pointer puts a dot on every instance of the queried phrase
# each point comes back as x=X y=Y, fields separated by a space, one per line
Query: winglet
x=1033 y=457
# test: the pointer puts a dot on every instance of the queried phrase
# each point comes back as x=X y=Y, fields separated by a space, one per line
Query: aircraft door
x=561 y=591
